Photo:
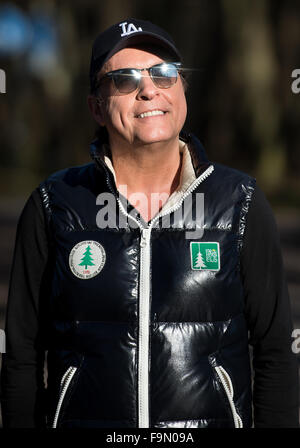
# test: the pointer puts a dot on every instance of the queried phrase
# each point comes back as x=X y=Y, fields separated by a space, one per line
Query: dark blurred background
x=241 y=102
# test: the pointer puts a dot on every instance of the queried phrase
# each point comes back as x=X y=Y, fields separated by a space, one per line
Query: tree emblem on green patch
x=87 y=258
x=205 y=256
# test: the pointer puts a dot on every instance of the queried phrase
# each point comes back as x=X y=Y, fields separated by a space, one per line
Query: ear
x=96 y=109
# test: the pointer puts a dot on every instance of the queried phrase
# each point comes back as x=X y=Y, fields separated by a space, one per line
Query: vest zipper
x=227 y=384
x=191 y=188
x=64 y=385
x=144 y=295
x=144 y=323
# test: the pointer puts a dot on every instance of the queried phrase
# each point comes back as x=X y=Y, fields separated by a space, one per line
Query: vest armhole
x=47 y=210
x=248 y=190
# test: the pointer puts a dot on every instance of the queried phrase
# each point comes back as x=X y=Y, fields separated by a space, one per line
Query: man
x=147 y=307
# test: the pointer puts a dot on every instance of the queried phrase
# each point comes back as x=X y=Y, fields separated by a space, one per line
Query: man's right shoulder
x=71 y=174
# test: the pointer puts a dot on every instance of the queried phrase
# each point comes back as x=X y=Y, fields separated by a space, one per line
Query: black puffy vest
x=147 y=327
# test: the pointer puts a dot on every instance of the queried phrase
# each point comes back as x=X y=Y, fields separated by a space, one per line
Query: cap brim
x=144 y=37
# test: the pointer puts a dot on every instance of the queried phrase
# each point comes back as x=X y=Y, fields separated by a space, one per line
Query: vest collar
x=100 y=154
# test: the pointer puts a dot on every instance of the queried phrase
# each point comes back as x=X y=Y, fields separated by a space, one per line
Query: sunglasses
x=127 y=80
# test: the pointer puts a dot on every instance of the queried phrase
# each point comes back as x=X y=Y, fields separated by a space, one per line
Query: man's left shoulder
x=231 y=184
x=225 y=172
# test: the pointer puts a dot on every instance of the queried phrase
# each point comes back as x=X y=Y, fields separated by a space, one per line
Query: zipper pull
x=145 y=234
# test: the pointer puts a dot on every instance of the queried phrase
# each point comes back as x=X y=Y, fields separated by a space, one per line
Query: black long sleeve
x=268 y=314
x=267 y=311
x=22 y=364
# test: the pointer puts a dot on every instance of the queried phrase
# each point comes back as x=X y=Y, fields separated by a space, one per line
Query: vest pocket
x=228 y=388
x=65 y=384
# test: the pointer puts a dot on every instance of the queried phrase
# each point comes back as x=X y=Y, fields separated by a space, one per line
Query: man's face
x=121 y=114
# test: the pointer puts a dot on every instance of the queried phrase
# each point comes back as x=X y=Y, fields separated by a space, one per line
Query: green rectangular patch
x=205 y=256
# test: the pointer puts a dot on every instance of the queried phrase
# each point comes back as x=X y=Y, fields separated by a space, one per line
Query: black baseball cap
x=118 y=36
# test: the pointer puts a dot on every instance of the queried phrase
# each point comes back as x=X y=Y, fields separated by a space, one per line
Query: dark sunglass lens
x=126 y=81
x=164 y=75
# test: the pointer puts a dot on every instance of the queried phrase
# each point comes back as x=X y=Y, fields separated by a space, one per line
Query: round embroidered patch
x=87 y=259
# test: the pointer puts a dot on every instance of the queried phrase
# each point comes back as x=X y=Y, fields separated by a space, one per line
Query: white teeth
x=151 y=113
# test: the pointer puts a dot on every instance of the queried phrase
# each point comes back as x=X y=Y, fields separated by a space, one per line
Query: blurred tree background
x=240 y=98
x=241 y=105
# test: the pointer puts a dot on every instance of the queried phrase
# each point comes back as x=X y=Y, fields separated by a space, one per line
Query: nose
x=147 y=89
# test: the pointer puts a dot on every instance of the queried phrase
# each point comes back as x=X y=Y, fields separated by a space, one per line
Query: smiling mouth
x=151 y=113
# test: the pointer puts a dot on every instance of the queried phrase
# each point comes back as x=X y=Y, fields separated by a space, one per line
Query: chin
x=155 y=137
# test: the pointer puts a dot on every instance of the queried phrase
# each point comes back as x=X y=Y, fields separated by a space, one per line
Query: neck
x=148 y=168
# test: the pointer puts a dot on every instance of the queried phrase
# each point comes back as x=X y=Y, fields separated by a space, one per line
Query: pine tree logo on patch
x=87 y=259
x=205 y=256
